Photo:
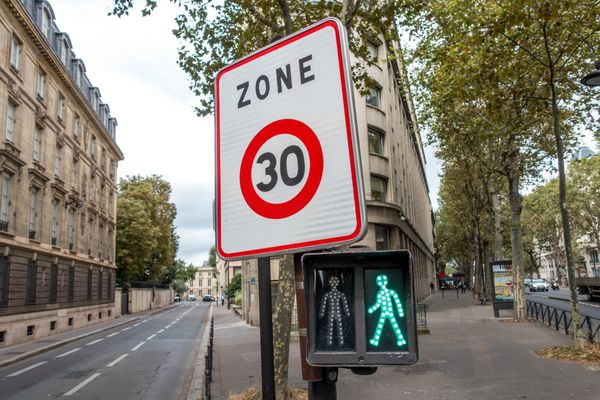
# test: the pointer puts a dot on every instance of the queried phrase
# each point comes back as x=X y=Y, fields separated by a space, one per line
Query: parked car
x=177 y=298
x=192 y=297
x=208 y=298
x=527 y=282
x=539 y=285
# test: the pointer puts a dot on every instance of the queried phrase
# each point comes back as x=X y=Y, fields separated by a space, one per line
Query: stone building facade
x=204 y=282
x=399 y=212
x=58 y=171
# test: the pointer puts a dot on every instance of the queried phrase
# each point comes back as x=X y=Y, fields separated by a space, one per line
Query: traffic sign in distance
x=288 y=174
x=360 y=309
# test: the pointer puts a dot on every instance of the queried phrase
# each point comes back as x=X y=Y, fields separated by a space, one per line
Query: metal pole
x=266 y=329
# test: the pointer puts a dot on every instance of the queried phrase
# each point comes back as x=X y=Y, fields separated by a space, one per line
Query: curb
x=73 y=339
x=197 y=384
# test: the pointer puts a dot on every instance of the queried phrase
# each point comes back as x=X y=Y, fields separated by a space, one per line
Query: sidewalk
x=468 y=355
x=11 y=354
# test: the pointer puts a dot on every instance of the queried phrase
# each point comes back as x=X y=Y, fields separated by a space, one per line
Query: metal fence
x=561 y=320
x=208 y=360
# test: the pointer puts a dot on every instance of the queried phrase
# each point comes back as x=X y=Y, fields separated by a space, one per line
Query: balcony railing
x=3 y=226
x=54 y=240
x=31 y=234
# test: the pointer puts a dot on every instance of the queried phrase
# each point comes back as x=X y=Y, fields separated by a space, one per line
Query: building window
x=53 y=284
x=594 y=256
x=54 y=222
x=15 y=53
x=376 y=141
x=37 y=144
x=46 y=25
x=71 y=287
x=382 y=237
x=33 y=197
x=75 y=127
x=89 y=284
x=100 y=240
x=79 y=75
x=71 y=230
x=11 y=112
x=378 y=188
x=4 y=281
x=373 y=50
x=93 y=147
x=60 y=108
x=90 y=237
x=100 y=284
x=31 y=282
x=57 y=159
x=74 y=174
x=374 y=97
x=40 y=84
x=64 y=52
x=4 y=203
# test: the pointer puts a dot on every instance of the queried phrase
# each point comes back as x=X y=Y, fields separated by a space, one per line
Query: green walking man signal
x=386 y=299
x=360 y=308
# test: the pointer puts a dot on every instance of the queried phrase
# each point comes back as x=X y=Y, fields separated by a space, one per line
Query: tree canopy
x=146 y=239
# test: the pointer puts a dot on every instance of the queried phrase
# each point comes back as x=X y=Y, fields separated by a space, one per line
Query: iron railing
x=561 y=320
x=208 y=360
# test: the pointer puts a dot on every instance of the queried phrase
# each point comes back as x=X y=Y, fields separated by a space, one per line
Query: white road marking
x=27 y=369
x=138 y=346
x=138 y=324
x=68 y=352
x=113 y=334
x=82 y=384
x=161 y=331
x=112 y=364
x=146 y=320
x=94 y=342
x=151 y=336
x=125 y=329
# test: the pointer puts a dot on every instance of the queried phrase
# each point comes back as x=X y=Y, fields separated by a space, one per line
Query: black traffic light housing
x=360 y=308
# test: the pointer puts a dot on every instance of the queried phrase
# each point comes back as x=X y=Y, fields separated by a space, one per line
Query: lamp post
x=593 y=78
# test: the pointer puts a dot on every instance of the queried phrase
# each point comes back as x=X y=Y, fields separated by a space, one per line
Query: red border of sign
x=300 y=245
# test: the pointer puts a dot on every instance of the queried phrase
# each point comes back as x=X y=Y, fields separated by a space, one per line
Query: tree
x=583 y=186
x=234 y=287
x=180 y=274
x=214 y=34
x=146 y=239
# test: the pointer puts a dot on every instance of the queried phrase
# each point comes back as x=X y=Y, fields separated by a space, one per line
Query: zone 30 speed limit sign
x=288 y=174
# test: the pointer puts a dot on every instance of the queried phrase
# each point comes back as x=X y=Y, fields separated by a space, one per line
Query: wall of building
x=58 y=165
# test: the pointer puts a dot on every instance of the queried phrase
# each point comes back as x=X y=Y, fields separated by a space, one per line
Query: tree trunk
x=564 y=214
x=516 y=239
x=498 y=238
x=282 y=323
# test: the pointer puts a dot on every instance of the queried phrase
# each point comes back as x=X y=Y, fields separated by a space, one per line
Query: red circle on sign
x=315 y=154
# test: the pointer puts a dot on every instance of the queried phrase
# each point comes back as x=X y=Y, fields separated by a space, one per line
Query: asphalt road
x=561 y=299
x=146 y=359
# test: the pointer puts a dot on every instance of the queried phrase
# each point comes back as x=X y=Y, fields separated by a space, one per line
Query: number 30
x=285 y=177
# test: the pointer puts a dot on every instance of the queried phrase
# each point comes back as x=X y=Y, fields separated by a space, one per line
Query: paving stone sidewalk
x=468 y=355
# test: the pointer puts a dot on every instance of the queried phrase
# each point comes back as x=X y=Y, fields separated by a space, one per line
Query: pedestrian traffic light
x=360 y=308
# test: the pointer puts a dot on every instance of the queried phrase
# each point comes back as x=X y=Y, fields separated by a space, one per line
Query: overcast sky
x=133 y=62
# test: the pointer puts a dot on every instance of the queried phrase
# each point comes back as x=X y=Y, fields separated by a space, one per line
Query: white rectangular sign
x=288 y=174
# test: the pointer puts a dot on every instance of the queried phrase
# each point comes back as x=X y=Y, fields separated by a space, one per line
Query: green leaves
x=146 y=239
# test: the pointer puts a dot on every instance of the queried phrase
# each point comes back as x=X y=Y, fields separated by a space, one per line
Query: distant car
x=177 y=298
x=539 y=285
x=527 y=282
x=192 y=297
x=208 y=298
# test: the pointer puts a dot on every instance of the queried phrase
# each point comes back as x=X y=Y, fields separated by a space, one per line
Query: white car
x=192 y=297
x=539 y=285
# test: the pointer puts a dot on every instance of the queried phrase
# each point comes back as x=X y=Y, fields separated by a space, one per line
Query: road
x=150 y=358
x=560 y=299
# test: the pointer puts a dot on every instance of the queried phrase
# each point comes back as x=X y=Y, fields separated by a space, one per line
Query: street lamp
x=593 y=78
